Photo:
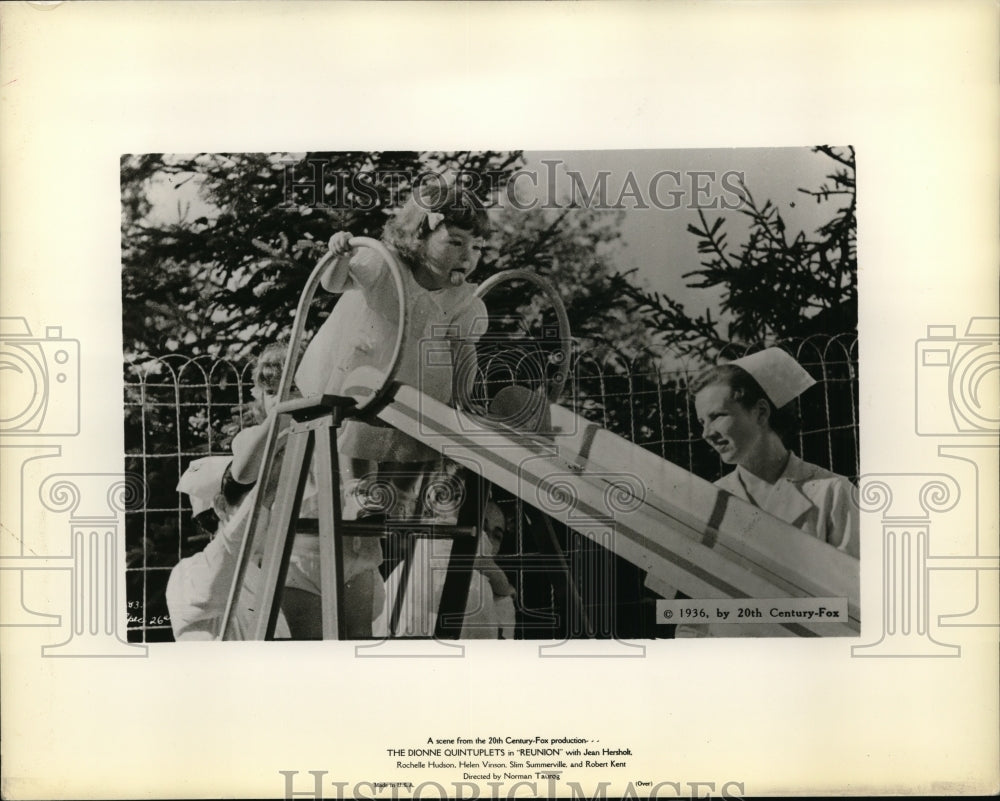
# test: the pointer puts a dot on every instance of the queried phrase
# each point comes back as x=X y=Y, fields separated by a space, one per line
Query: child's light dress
x=361 y=332
x=489 y=607
x=198 y=587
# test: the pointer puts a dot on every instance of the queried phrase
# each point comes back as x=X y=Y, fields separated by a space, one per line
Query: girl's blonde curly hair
x=456 y=204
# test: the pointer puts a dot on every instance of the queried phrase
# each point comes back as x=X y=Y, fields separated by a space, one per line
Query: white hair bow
x=434 y=219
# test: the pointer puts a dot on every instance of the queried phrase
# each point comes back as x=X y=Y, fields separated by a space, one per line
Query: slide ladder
x=301 y=442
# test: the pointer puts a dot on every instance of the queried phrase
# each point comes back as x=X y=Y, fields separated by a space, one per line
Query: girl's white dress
x=489 y=607
x=361 y=332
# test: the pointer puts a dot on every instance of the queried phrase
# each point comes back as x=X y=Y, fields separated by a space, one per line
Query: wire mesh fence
x=178 y=409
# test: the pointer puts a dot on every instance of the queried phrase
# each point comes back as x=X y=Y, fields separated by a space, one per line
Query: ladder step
x=315 y=406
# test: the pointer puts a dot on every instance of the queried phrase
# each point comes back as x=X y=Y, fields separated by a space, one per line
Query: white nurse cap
x=781 y=377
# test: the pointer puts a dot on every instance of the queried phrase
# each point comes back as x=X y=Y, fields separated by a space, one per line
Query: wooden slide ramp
x=685 y=532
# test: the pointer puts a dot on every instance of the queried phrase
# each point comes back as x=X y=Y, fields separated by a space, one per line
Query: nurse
x=746 y=413
x=745 y=409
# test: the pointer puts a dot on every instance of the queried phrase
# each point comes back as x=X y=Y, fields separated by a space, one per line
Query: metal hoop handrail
x=558 y=382
x=305 y=301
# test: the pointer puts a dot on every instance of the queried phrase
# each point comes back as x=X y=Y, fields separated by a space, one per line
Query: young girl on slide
x=437 y=239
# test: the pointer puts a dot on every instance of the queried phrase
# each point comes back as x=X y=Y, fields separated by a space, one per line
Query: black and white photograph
x=623 y=403
x=494 y=400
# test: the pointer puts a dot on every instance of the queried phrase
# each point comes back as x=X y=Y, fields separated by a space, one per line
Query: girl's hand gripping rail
x=338 y=249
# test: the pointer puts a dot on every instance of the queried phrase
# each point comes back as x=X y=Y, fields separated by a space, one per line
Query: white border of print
x=912 y=87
